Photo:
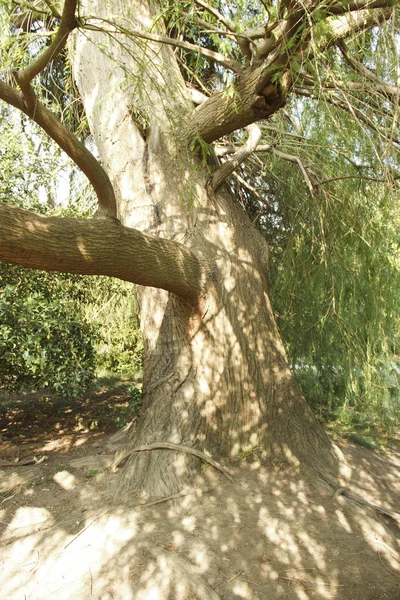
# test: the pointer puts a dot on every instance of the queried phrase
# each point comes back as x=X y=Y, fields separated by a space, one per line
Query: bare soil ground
x=270 y=534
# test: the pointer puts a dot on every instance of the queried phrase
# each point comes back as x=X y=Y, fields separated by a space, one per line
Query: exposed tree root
x=328 y=479
x=169 y=446
x=358 y=501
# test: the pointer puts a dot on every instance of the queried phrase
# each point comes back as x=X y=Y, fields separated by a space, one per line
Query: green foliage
x=110 y=307
x=200 y=148
x=91 y=474
x=132 y=408
x=364 y=440
x=336 y=273
x=336 y=268
x=42 y=343
x=57 y=330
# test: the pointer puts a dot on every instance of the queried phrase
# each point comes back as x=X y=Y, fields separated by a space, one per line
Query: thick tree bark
x=216 y=378
x=99 y=247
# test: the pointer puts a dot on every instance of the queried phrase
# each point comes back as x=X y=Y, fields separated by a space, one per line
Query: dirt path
x=267 y=535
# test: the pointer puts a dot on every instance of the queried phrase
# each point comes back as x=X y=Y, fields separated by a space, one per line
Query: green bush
x=132 y=407
x=43 y=342
x=110 y=307
x=57 y=330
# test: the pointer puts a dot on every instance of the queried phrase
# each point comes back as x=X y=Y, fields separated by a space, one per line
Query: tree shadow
x=268 y=534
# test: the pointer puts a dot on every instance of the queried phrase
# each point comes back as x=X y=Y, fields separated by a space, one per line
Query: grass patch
x=364 y=440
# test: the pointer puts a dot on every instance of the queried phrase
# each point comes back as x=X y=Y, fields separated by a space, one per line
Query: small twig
x=9 y=498
x=229 y=63
x=361 y=177
x=91 y=582
x=235 y=577
x=168 y=498
x=293 y=570
x=24 y=462
x=251 y=188
x=36 y=563
x=229 y=580
x=385 y=566
x=213 y=11
x=84 y=529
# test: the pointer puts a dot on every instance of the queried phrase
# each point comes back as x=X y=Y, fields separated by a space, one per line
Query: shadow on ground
x=268 y=534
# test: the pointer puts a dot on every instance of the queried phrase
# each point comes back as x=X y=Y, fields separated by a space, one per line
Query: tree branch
x=68 y=24
x=196 y=96
x=353 y=110
x=391 y=91
x=33 y=108
x=214 y=12
x=97 y=247
x=246 y=44
x=360 y=177
x=53 y=9
x=246 y=101
x=70 y=144
x=233 y=65
x=296 y=159
x=355 y=5
x=240 y=155
x=336 y=28
x=270 y=148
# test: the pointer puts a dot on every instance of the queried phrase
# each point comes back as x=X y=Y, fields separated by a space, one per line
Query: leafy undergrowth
x=366 y=435
x=268 y=534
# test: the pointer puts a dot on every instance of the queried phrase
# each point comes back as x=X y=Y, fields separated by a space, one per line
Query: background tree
x=216 y=375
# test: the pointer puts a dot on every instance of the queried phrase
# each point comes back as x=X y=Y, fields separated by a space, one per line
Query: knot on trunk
x=273 y=96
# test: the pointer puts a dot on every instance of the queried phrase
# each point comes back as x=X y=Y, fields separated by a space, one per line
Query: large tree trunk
x=215 y=372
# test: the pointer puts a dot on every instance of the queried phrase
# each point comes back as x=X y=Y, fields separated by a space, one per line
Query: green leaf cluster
x=43 y=342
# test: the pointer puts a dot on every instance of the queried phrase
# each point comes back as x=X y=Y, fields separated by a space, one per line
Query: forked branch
x=68 y=24
x=29 y=103
x=222 y=151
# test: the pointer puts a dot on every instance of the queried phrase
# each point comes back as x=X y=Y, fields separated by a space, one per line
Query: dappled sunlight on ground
x=269 y=534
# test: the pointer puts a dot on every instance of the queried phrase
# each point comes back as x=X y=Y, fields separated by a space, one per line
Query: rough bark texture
x=99 y=247
x=216 y=378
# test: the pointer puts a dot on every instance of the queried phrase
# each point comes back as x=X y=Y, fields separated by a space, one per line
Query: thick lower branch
x=97 y=247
